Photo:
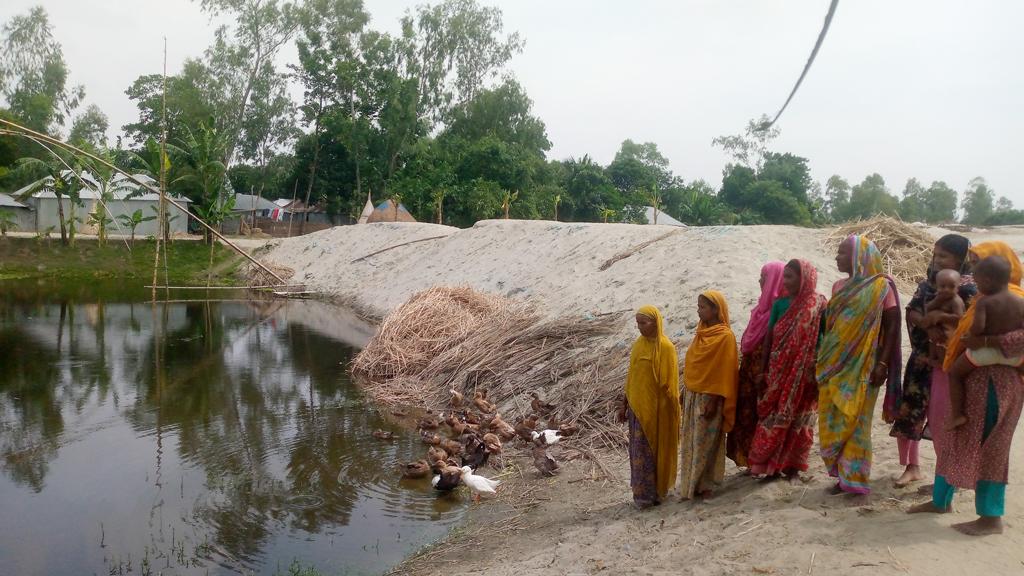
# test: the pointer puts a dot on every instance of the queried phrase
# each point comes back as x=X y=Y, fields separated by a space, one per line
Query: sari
x=710 y=369
x=737 y=444
x=847 y=354
x=785 y=430
x=652 y=399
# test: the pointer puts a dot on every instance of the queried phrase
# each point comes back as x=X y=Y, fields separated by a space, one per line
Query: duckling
x=457 y=398
x=481 y=402
x=566 y=430
x=546 y=437
x=436 y=454
x=447 y=479
x=492 y=443
x=417 y=469
x=539 y=406
x=429 y=421
x=543 y=461
x=478 y=484
x=430 y=438
x=382 y=435
x=525 y=428
x=502 y=428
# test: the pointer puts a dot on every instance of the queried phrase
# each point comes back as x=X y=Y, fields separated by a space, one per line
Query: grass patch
x=188 y=261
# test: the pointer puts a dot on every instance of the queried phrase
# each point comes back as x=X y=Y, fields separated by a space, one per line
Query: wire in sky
x=817 y=45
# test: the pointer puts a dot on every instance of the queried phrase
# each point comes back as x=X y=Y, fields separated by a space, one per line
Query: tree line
x=430 y=117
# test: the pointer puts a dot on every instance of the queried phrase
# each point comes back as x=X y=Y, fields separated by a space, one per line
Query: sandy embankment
x=581 y=522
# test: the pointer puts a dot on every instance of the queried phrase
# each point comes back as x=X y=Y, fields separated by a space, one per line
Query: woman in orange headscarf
x=651 y=407
x=711 y=375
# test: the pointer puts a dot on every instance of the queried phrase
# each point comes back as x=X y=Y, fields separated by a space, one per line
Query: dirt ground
x=582 y=521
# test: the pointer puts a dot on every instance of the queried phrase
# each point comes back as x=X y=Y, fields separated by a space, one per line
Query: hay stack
x=458 y=338
x=906 y=250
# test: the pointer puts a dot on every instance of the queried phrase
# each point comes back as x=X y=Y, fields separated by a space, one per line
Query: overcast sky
x=925 y=88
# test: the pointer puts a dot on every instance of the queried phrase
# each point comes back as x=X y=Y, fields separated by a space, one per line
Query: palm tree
x=506 y=204
x=56 y=174
x=132 y=221
x=205 y=149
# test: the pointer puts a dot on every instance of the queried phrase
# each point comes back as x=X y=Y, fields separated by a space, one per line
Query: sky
x=930 y=89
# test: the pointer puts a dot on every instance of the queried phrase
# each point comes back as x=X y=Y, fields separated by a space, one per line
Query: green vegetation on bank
x=188 y=262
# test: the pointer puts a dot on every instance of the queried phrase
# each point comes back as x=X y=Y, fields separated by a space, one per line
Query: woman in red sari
x=789 y=406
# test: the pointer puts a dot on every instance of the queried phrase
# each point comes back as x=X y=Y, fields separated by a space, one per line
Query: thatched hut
x=389 y=211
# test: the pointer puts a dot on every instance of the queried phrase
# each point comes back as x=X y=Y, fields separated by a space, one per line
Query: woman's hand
x=975 y=342
x=879 y=374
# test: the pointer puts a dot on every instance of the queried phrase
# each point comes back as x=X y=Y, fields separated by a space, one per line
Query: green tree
x=90 y=128
x=941 y=203
x=33 y=74
x=977 y=202
x=637 y=168
x=588 y=191
x=54 y=173
x=871 y=197
x=204 y=150
x=699 y=206
x=914 y=204
x=191 y=98
x=7 y=222
x=749 y=149
x=837 y=198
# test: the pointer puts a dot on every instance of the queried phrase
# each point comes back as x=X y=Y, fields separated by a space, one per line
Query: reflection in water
x=191 y=438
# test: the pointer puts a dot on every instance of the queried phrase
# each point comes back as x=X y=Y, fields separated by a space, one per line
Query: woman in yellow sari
x=711 y=375
x=651 y=407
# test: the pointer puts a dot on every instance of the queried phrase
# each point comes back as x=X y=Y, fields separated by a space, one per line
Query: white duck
x=546 y=437
x=478 y=484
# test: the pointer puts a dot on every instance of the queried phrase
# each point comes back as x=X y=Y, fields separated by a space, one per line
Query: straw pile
x=906 y=250
x=446 y=338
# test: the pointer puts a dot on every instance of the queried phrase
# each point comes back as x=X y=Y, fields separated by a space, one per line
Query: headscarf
x=757 y=327
x=848 y=348
x=956 y=245
x=712 y=363
x=652 y=391
x=955 y=347
x=791 y=369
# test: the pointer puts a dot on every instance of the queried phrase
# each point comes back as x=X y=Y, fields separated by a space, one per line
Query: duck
x=436 y=454
x=429 y=421
x=539 y=406
x=417 y=469
x=470 y=418
x=481 y=402
x=452 y=447
x=383 y=435
x=502 y=428
x=476 y=453
x=566 y=430
x=430 y=438
x=543 y=461
x=478 y=484
x=456 y=399
x=546 y=437
x=525 y=428
x=492 y=443
x=447 y=479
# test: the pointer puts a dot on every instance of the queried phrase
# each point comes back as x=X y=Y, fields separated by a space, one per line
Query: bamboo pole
x=19 y=130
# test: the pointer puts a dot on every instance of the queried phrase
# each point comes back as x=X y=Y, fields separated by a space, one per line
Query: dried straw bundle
x=447 y=338
x=906 y=250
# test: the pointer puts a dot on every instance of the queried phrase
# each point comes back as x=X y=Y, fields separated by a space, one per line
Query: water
x=197 y=437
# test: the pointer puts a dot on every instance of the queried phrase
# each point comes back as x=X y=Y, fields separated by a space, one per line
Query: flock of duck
x=476 y=432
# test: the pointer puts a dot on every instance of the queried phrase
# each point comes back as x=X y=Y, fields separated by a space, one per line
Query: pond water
x=195 y=437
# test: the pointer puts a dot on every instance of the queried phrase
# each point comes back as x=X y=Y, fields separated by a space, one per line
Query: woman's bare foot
x=834 y=490
x=983 y=526
x=955 y=422
x=928 y=507
x=910 y=475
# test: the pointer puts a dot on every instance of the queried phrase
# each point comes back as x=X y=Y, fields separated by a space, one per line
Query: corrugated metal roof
x=7 y=202
x=123 y=187
x=248 y=202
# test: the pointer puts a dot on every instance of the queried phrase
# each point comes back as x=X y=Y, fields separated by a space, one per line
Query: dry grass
x=458 y=338
x=906 y=250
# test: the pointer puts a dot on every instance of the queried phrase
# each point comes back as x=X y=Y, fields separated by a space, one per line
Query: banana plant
x=133 y=220
x=7 y=222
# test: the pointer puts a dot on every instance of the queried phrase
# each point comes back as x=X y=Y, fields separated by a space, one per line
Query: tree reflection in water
x=247 y=438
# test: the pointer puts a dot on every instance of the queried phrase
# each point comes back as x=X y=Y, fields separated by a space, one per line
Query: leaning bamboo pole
x=16 y=129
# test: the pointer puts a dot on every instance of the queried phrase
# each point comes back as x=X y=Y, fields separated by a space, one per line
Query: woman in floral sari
x=922 y=382
x=651 y=407
x=752 y=365
x=785 y=430
x=859 y=353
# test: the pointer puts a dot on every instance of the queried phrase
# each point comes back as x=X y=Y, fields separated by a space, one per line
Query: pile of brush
x=906 y=250
x=456 y=339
